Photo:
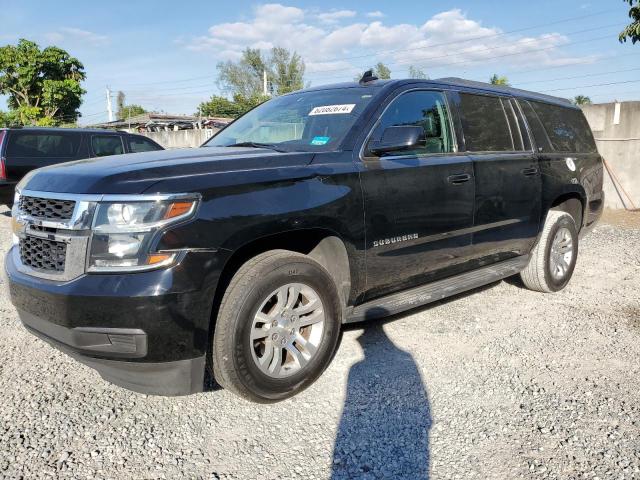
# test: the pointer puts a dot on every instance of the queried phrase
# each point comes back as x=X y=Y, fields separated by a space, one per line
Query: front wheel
x=554 y=258
x=277 y=327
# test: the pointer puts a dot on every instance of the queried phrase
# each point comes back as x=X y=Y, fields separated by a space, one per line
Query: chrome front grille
x=46 y=208
x=43 y=254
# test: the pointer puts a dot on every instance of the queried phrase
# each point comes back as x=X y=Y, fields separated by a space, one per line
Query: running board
x=432 y=292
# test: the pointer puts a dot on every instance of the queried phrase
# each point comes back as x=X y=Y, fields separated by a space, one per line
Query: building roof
x=160 y=120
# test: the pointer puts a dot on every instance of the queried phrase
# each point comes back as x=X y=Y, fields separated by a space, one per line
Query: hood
x=135 y=173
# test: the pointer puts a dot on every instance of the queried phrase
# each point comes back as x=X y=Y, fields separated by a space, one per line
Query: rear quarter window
x=104 y=145
x=485 y=124
x=567 y=128
x=141 y=144
x=38 y=145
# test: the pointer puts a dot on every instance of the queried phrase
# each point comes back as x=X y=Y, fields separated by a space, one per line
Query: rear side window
x=103 y=145
x=424 y=109
x=539 y=134
x=485 y=124
x=50 y=145
x=139 y=144
x=567 y=128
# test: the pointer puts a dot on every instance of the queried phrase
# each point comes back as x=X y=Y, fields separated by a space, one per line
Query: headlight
x=124 y=232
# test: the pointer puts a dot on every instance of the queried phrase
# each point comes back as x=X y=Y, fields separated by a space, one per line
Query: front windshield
x=306 y=121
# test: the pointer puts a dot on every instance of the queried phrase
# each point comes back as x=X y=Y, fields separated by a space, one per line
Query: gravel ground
x=499 y=383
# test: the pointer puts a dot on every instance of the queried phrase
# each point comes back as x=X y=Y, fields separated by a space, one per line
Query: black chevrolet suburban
x=326 y=206
x=26 y=148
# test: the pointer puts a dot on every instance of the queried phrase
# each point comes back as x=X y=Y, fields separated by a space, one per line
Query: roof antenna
x=367 y=77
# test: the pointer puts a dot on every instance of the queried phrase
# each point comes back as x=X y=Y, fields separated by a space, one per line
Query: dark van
x=25 y=149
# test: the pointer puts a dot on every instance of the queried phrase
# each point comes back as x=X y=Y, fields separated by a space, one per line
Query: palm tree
x=581 y=100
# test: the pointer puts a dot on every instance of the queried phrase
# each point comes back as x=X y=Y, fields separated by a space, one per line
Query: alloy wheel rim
x=561 y=253
x=287 y=330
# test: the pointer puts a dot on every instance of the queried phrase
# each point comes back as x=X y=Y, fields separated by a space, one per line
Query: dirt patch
x=622 y=218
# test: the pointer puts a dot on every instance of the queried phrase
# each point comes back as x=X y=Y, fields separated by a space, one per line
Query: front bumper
x=148 y=331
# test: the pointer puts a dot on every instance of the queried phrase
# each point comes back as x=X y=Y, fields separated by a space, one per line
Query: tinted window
x=29 y=144
x=307 y=121
x=567 y=128
x=539 y=134
x=139 y=144
x=485 y=124
x=423 y=109
x=104 y=145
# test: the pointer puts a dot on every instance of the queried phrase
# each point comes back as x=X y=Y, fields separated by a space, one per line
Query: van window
x=103 y=145
x=140 y=144
x=567 y=128
x=485 y=124
x=36 y=144
x=537 y=130
x=422 y=108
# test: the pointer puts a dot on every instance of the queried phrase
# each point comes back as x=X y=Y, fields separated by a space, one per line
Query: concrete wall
x=181 y=138
x=617 y=135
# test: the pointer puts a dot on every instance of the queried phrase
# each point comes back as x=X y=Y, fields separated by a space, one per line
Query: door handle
x=529 y=171
x=459 y=178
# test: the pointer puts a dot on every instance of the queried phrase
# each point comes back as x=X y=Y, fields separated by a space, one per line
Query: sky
x=163 y=55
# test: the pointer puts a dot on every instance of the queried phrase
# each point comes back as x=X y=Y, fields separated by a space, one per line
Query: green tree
x=128 y=111
x=7 y=119
x=223 y=107
x=243 y=77
x=42 y=86
x=496 y=80
x=632 y=31
x=581 y=100
x=382 y=71
x=416 y=72
x=284 y=70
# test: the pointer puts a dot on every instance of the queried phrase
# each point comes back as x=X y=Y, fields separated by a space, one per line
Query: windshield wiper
x=257 y=145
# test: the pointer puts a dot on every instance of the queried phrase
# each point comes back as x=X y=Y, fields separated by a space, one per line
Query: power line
x=443 y=65
x=384 y=52
x=481 y=37
x=580 y=76
x=589 y=86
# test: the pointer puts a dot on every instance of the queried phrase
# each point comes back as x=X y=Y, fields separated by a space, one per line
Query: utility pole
x=109 y=110
x=264 y=82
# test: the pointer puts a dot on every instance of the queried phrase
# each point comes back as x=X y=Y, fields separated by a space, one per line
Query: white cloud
x=375 y=14
x=333 y=50
x=336 y=15
x=77 y=35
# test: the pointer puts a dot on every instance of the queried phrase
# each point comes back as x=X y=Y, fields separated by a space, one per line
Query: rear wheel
x=277 y=327
x=554 y=258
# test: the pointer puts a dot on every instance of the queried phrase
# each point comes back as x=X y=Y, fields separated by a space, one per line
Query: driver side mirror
x=398 y=138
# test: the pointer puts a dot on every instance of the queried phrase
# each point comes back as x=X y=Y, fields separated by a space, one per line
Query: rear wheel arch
x=572 y=203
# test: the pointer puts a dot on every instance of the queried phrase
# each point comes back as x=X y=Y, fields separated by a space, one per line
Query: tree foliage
x=382 y=71
x=125 y=111
x=416 y=72
x=284 y=69
x=223 y=107
x=581 y=100
x=632 y=31
x=42 y=86
x=128 y=111
x=496 y=80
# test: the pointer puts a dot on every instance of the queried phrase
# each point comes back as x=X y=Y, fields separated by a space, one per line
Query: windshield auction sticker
x=332 y=109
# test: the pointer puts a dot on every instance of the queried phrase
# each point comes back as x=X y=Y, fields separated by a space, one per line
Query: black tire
x=233 y=365
x=537 y=274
